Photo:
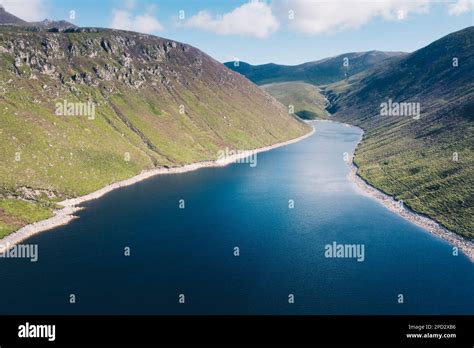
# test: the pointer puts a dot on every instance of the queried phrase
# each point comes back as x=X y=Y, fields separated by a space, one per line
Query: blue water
x=191 y=251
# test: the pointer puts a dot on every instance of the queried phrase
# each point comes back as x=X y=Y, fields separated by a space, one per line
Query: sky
x=258 y=32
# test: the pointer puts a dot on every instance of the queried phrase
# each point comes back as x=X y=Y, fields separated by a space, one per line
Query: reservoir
x=242 y=239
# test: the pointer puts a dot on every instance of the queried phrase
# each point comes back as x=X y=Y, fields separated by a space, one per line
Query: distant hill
x=305 y=99
x=7 y=18
x=427 y=162
x=320 y=72
x=49 y=24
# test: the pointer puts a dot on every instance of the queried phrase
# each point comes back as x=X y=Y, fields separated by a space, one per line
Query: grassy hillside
x=306 y=99
x=320 y=72
x=157 y=103
x=427 y=162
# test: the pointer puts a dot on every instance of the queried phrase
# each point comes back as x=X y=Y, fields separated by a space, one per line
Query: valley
x=303 y=99
x=425 y=158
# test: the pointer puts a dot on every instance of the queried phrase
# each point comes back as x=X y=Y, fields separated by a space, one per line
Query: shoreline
x=70 y=206
x=431 y=226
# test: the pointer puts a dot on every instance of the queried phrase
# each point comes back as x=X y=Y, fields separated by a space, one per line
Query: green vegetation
x=318 y=73
x=15 y=213
x=157 y=103
x=423 y=174
x=306 y=99
x=428 y=162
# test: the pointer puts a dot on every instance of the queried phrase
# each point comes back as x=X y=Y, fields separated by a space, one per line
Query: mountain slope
x=427 y=162
x=157 y=103
x=320 y=72
x=306 y=99
x=53 y=25
x=7 y=18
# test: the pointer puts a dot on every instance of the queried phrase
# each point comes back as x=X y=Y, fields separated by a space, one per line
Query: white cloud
x=28 y=10
x=317 y=17
x=460 y=7
x=142 y=23
x=254 y=18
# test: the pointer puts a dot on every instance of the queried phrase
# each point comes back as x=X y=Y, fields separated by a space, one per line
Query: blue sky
x=280 y=31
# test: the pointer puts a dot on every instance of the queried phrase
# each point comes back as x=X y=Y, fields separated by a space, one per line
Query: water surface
x=191 y=251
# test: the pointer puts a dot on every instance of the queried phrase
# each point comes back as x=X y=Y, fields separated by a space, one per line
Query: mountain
x=7 y=18
x=297 y=85
x=51 y=25
x=426 y=161
x=320 y=72
x=305 y=99
x=86 y=107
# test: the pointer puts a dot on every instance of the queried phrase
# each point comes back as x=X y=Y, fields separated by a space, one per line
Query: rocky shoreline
x=71 y=206
x=463 y=244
